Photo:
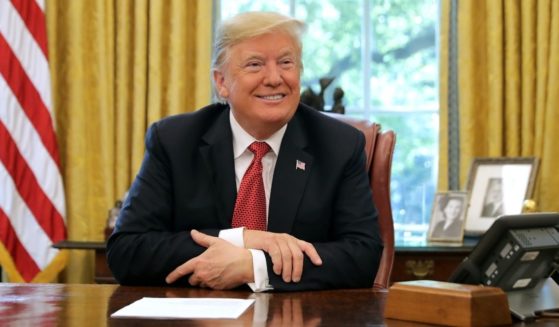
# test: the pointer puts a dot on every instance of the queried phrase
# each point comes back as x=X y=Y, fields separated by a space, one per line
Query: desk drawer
x=425 y=265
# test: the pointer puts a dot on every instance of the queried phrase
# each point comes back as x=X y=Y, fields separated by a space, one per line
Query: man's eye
x=287 y=62
x=253 y=64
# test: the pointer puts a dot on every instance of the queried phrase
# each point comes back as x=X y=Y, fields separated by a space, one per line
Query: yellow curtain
x=508 y=77
x=444 y=43
x=117 y=66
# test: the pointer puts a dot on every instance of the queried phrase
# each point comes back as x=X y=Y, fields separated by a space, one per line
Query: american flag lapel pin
x=299 y=165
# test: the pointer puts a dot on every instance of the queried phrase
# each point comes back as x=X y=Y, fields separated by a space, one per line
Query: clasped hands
x=223 y=265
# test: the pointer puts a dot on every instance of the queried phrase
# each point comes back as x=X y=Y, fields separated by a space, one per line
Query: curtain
x=508 y=77
x=117 y=66
x=444 y=63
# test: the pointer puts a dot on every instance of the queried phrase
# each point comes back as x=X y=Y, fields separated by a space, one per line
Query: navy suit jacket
x=187 y=181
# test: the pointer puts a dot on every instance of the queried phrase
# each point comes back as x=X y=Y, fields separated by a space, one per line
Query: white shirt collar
x=242 y=139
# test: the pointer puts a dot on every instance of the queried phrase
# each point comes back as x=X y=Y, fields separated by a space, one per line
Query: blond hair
x=251 y=24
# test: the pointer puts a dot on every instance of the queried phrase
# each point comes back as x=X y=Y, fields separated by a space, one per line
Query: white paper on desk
x=184 y=308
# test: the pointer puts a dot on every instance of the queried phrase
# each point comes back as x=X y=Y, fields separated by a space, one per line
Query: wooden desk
x=92 y=305
x=103 y=274
x=425 y=260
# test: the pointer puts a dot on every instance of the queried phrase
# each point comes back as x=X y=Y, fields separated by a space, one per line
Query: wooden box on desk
x=447 y=304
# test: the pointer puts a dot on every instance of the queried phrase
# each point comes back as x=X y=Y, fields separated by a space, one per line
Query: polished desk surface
x=92 y=305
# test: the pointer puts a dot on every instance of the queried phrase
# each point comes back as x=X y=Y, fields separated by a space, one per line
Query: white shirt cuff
x=261 y=280
x=233 y=236
x=260 y=270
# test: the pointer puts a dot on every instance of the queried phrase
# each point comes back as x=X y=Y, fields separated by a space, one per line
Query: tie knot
x=259 y=149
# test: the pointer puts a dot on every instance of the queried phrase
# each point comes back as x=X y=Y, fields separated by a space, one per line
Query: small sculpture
x=113 y=215
x=312 y=99
x=529 y=205
x=316 y=101
x=111 y=219
x=338 y=107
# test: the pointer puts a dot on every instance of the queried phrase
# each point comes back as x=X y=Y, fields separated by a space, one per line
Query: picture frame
x=448 y=217
x=497 y=186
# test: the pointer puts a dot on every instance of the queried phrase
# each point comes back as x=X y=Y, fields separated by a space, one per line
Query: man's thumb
x=201 y=238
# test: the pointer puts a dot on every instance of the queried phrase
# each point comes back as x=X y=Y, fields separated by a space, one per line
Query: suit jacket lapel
x=293 y=167
x=217 y=154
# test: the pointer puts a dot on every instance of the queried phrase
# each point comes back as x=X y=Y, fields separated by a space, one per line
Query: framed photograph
x=497 y=186
x=448 y=216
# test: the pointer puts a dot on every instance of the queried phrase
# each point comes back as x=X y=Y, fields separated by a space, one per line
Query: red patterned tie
x=250 y=207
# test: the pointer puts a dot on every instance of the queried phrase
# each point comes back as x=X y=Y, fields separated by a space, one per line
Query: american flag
x=299 y=165
x=32 y=205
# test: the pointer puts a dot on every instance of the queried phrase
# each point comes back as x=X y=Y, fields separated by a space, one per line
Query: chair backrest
x=379 y=149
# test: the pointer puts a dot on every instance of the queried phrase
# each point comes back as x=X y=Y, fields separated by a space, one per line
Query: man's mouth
x=272 y=97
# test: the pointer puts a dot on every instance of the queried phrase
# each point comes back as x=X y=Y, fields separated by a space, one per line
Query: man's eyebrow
x=287 y=52
x=252 y=55
x=257 y=55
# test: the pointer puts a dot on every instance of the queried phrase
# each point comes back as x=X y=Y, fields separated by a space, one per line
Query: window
x=383 y=54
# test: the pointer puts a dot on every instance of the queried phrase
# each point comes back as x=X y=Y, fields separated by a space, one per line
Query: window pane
x=404 y=69
x=403 y=88
x=414 y=169
x=332 y=47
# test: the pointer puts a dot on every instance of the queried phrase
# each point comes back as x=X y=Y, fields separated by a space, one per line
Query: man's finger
x=287 y=263
x=297 y=262
x=182 y=270
x=202 y=239
x=311 y=252
x=275 y=255
x=195 y=281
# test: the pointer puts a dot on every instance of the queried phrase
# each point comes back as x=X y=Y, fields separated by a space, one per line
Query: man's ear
x=219 y=82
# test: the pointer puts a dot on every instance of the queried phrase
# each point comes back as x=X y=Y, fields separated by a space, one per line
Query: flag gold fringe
x=47 y=275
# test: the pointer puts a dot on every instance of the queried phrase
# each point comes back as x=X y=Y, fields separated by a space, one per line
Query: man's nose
x=273 y=75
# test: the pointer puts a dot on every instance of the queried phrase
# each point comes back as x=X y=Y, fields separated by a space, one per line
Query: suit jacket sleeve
x=346 y=234
x=147 y=244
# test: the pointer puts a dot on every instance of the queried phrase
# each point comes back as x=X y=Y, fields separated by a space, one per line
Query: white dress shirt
x=243 y=157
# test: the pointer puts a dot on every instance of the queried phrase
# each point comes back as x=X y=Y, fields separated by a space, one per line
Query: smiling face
x=261 y=82
x=453 y=209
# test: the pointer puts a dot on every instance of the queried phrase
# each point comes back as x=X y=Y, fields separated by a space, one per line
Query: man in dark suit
x=493 y=202
x=177 y=222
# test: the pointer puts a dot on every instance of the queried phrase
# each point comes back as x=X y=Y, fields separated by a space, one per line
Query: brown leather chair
x=379 y=149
